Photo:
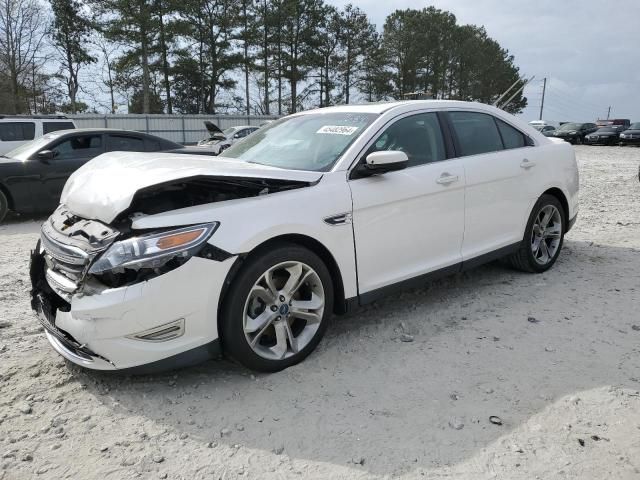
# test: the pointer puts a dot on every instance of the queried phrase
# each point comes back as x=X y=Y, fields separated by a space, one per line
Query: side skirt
x=420 y=280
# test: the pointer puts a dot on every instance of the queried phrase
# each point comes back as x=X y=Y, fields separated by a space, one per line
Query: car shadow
x=410 y=381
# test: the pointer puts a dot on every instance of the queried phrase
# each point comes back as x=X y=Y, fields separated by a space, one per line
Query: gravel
x=397 y=418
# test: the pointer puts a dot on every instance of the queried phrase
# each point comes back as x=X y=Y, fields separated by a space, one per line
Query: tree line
x=237 y=56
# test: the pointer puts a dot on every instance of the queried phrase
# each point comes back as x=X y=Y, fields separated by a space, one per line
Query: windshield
x=538 y=127
x=608 y=129
x=229 y=131
x=24 y=151
x=635 y=126
x=570 y=126
x=311 y=142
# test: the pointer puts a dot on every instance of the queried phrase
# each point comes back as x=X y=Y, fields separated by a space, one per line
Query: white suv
x=16 y=130
x=159 y=260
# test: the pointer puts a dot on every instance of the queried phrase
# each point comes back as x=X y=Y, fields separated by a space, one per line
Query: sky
x=589 y=50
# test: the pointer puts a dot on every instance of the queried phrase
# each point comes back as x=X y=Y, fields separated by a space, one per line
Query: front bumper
x=630 y=141
x=99 y=330
x=601 y=140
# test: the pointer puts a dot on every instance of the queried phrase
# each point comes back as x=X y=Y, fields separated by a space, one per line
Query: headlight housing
x=153 y=250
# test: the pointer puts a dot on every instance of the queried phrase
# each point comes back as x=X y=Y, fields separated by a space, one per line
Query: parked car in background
x=575 y=132
x=32 y=176
x=618 y=123
x=219 y=140
x=546 y=130
x=156 y=261
x=544 y=123
x=16 y=130
x=603 y=136
x=631 y=136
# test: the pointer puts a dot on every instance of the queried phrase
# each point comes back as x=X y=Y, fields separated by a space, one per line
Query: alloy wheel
x=546 y=234
x=284 y=310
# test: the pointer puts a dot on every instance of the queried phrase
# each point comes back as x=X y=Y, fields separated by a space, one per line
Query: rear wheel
x=4 y=206
x=277 y=308
x=543 y=237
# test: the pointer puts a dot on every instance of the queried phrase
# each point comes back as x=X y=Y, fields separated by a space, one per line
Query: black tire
x=579 y=140
x=524 y=259
x=234 y=341
x=4 y=206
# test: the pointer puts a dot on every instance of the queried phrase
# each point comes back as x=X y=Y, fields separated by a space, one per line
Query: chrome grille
x=61 y=252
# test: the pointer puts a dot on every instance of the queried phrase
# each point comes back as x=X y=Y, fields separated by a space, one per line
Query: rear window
x=17 y=131
x=125 y=143
x=477 y=133
x=48 y=127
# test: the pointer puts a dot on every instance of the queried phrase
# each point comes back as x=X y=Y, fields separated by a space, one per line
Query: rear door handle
x=446 y=179
x=526 y=163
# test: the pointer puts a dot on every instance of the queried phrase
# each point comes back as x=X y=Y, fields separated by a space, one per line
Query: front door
x=409 y=222
x=68 y=155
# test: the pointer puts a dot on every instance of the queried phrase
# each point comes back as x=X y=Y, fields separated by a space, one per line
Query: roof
x=36 y=117
x=382 y=107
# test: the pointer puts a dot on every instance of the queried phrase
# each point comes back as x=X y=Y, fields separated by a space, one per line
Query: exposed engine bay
x=200 y=190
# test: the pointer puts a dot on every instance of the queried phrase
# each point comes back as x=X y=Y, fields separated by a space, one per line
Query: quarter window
x=511 y=137
x=419 y=136
x=17 y=131
x=477 y=133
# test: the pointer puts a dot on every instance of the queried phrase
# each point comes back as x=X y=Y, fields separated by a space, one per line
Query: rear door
x=498 y=165
x=409 y=222
x=15 y=133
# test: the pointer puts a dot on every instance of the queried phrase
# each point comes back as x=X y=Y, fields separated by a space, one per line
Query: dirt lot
x=554 y=356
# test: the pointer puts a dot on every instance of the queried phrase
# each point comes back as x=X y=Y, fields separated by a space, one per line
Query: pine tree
x=69 y=33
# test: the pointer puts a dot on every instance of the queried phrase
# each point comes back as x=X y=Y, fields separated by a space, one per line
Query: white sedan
x=158 y=260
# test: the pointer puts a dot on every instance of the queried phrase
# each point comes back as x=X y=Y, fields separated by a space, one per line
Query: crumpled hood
x=105 y=186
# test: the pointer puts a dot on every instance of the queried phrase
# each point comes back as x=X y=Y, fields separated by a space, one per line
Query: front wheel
x=543 y=237
x=277 y=308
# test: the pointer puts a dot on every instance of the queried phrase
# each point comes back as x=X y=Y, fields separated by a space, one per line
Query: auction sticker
x=337 y=130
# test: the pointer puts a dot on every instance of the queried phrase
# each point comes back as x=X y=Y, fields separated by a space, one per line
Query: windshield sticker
x=337 y=130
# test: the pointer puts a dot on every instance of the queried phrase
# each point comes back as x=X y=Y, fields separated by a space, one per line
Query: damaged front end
x=58 y=268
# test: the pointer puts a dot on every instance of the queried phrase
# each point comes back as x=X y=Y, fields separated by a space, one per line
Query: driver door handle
x=526 y=164
x=446 y=178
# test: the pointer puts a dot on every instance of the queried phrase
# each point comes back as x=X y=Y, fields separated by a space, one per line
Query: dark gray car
x=32 y=176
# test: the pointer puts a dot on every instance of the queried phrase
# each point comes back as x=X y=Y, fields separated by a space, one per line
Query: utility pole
x=544 y=89
x=609 y=112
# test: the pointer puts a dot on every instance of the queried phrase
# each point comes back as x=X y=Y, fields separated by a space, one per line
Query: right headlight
x=153 y=250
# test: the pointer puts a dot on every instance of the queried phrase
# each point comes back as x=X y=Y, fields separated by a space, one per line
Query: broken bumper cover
x=127 y=327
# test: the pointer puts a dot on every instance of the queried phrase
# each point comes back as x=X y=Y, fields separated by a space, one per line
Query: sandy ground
x=554 y=356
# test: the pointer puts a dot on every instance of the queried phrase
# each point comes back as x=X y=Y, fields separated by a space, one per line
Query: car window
x=511 y=137
x=48 y=127
x=477 y=133
x=419 y=136
x=81 y=146
x=312 y=141
x=125 y=143
x=152 y=145
x=17 y=131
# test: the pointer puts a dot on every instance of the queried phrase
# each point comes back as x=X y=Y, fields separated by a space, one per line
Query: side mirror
x=45 y=155
x=386 y=161
x=237 y=135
